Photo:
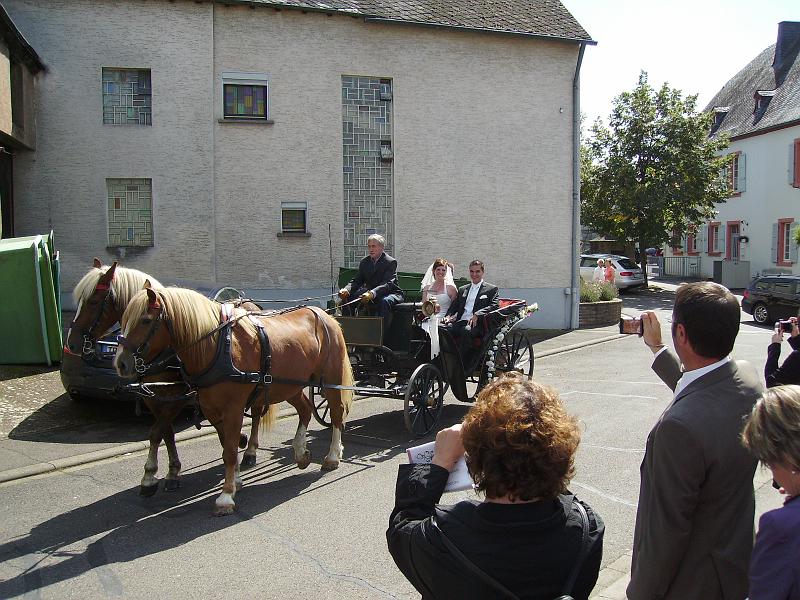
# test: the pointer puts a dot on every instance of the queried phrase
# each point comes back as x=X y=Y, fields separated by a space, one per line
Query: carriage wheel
x=424 y=399
x=515 y=354
x=320 y=408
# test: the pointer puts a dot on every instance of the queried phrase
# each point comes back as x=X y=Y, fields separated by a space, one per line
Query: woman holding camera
x=789 y=371
x=529 y=537
x=772 y=433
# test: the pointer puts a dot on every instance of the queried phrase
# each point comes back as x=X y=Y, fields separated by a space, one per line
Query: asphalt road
x=86 y=533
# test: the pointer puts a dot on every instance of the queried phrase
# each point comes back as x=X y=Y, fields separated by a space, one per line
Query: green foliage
x=797 y=236
x=653 y=170
x=608 y=291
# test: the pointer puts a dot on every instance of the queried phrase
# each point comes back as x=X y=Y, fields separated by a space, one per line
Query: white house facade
x=257 y=144
x=753 y=233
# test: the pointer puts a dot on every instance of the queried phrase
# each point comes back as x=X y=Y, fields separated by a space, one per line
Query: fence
x=679 y=266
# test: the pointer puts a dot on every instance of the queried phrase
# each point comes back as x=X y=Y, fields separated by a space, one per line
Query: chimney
x=787 y=47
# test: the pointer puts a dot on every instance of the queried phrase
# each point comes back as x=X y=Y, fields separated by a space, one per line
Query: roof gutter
x=573 y=293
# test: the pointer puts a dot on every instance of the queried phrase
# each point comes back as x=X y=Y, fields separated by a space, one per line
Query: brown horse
x=306 y=345
x=101 y=296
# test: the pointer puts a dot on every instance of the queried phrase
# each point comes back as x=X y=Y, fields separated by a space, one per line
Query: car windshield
x=627 y=263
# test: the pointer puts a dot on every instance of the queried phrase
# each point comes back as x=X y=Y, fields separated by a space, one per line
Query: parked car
x=628 y=274
x=94 y=377
x=770 y=298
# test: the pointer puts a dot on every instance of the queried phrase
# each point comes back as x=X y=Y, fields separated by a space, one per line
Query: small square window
x=245 y=96
x=127 y=97
x=294 y=217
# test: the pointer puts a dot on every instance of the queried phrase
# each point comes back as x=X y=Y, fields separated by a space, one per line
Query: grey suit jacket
x=694 y=523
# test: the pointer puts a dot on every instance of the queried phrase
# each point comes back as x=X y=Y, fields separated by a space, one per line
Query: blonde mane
x=126 y=283
x=191 y=316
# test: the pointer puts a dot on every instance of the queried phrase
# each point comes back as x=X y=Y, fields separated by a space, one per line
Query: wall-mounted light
x=744 y=239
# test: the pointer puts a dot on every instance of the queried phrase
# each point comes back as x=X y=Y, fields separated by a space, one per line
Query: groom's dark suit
x=694 y=523
x=487 y=300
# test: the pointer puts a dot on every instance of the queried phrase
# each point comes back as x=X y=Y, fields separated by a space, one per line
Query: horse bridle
x=88 y=341
x=138 y=353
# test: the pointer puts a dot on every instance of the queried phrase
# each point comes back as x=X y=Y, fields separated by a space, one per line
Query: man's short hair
x=710 y=314
x=477 y=263
x=377 y=237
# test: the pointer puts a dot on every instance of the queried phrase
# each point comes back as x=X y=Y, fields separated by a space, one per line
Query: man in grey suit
x=694 y=524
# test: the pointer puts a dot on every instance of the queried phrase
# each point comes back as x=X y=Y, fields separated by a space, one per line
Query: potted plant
x=599 y=304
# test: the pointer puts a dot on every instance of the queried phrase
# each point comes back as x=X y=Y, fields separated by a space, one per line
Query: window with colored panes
x=293 y=220
x=245 y=101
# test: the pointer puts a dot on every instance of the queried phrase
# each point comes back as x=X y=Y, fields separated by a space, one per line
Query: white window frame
x=293 y=206
x=244 y=78
x=713 y=230
x=787 y=240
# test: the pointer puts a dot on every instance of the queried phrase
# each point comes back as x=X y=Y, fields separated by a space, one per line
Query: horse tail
x=347 y=368
x=268 y=417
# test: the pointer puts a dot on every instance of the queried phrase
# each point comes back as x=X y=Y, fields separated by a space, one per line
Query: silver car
x=628 y=274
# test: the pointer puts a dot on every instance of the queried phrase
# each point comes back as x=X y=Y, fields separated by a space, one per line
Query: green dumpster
x=30 y=315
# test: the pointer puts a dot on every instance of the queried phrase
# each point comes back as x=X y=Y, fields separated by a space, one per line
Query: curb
x=191 y=434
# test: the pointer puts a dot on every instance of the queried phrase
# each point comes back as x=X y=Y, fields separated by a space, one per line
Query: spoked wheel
x=424 y=399
x=320 y=408
x=515 y=354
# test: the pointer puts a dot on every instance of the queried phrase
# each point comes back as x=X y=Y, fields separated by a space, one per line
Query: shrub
x=597 y=292
x=608 y=291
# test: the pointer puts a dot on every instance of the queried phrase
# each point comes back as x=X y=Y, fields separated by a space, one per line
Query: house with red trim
x=753 y=233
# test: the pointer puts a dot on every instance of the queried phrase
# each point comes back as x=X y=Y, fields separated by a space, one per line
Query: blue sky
x=694 y=45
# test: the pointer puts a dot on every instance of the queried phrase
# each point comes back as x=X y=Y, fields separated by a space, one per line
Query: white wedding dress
x=431 y=324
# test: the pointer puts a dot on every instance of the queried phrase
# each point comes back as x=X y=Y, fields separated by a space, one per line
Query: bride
x=438 y=286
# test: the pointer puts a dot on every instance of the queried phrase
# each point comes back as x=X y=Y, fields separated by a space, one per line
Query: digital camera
x=786 y=326
x=631 y=325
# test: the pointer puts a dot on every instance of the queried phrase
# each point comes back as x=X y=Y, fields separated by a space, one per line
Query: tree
x=654 y=170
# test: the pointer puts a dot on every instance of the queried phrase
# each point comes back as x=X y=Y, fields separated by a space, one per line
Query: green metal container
x=30 y=315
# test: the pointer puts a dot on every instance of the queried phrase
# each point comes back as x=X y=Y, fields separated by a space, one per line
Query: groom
x=474 y=300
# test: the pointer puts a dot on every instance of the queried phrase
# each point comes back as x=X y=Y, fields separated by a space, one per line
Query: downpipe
x=572 y=294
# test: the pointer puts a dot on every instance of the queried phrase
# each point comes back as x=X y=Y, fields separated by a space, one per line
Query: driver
x=375 y=284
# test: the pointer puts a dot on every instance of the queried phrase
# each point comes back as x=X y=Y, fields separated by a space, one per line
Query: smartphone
x=786 y=326
x=631 y=325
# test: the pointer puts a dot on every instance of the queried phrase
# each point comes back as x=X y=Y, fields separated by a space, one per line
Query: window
x=794 y=163
x=245 y=96
x=733 y=238
x=785 y=243
x=719 y=116
x=761 y=101
x=691 y=241
x=713 y=238
x=733 y=174
x=130 y=212
x=677 y=247
x=127 y=97
x=294 y=217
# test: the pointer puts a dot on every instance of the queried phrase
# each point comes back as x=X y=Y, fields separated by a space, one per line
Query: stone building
x=258 y=144
x=19 y=67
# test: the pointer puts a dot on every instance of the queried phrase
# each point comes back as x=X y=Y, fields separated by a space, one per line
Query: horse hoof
x=304 y=460
x=242 y=441
x=330 y=465
x=222 y=511
x=248 y=461
x=148 y=490
x=171 y=485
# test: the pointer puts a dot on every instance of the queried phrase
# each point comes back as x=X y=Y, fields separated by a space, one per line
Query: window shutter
x=741 y=185
x=792 y=165
x=774 y=251
x=701 y=243
x=796 y=164
x=722 y=233
x=793 y=243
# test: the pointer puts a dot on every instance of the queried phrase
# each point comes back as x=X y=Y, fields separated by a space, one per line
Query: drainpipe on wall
x=573 y=294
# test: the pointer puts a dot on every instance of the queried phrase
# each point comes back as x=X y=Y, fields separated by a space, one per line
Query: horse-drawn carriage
x=234 y=359
x=397 y=362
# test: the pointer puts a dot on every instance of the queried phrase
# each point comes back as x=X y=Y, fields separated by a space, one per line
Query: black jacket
x=529 y=548
x=789 y=372
x=487 y=300
x=380 y=277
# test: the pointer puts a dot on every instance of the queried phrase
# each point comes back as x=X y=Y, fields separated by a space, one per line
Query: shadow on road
x=8 y=372
x=65 y=421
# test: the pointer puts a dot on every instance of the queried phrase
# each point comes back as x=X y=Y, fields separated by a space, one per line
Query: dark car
x=94 y=377
x=770 y=298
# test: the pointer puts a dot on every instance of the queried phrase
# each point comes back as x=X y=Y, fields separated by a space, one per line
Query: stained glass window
x=248 y=101
x=130 y=212
x=293 y=217
x=127 y=97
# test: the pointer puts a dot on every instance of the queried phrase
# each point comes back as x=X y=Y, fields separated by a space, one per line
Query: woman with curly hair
x=524 y=538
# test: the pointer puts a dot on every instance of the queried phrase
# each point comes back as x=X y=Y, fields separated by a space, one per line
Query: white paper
x=459 y=477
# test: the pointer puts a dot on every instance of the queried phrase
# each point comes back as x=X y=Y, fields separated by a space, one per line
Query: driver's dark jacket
x=529 y=548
